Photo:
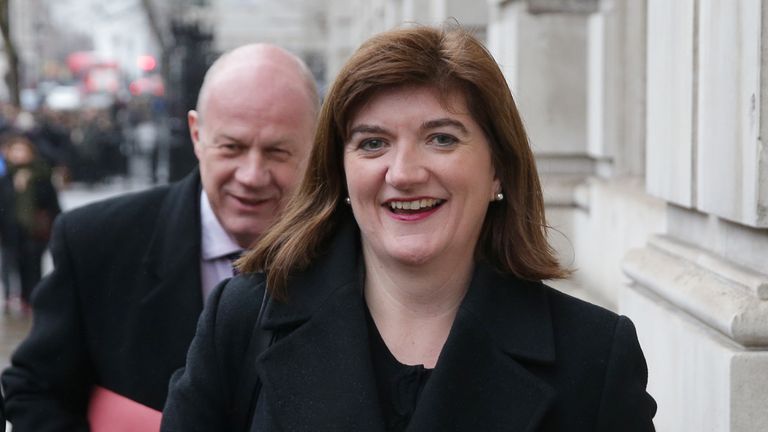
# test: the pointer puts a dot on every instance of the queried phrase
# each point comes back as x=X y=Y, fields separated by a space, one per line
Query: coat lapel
x=319 y=377
x=481 y=382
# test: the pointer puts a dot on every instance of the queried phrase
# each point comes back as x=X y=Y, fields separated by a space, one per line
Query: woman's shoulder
x=564 y=302
x=578 y=321
x=239 y=299
x=231 y=315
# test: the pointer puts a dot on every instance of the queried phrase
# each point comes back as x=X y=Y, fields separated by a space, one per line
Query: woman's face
x=419 y=176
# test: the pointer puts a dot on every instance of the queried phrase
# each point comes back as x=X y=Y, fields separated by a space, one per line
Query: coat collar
x=336 y=267
x=320 y=376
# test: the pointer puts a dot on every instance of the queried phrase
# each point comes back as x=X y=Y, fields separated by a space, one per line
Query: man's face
x=252 y=137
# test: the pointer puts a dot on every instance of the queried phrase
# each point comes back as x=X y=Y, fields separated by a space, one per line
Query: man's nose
x=254 y=170
x=407 y=167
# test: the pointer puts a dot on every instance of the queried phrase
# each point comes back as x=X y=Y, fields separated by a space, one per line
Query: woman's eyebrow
x=442 y=122
x=365 y=128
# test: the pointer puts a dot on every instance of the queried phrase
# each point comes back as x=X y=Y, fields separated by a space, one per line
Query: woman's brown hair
x=513 y=238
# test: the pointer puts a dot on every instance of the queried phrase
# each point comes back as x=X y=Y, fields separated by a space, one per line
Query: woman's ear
x=496 y=188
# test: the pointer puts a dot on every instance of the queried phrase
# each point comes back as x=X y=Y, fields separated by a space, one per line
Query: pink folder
x=111 y=412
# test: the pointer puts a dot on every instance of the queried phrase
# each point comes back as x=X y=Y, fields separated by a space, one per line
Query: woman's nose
x=407 y=168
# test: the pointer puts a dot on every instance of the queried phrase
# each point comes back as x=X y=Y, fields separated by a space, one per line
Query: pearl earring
x=348 y=201
x=499 y=196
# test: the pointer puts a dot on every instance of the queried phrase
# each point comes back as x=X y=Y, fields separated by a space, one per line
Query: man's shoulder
x=126 y=211
x=117 y=209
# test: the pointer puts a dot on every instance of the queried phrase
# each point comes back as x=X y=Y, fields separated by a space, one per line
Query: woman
x=403 y=285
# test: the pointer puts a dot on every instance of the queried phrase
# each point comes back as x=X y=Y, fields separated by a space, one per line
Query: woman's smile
x=412 y=209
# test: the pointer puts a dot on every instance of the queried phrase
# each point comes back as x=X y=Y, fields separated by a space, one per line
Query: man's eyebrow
x=366 y=128
x=442 y=122
x=285 y=145
x=225 y=138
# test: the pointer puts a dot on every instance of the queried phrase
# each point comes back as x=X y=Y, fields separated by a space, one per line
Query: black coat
x=119 y=310
x=520 y=357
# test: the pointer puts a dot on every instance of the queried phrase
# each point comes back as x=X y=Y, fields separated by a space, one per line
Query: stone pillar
x=577 y=71
x=437 y=12
x=699 y=293
x=351 y=22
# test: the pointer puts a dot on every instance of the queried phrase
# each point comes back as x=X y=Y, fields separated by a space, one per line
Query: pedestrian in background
x=8 y=266
x=29 y=205
x=115 y=317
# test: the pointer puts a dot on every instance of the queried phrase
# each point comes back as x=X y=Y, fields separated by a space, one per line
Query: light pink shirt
x=216 y=244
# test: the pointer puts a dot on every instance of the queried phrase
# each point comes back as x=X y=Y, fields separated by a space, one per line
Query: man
x=116 y=316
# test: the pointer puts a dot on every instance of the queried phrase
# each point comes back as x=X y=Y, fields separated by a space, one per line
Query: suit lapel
x=173 y=300
x=173 y=254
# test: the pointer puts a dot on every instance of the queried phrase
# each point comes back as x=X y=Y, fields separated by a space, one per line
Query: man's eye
x=279 y=153
x=443 y=140
x=372 y=144
x=229 y=147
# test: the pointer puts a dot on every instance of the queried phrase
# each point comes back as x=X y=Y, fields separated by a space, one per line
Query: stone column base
x=701 y=379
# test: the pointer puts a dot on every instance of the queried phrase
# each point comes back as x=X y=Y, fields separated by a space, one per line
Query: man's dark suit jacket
x=118 y=311
x=520 y=357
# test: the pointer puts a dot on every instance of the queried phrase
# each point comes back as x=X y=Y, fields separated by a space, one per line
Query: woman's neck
x=414 y=307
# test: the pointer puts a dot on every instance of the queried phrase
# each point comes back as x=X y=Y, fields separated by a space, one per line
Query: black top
x=399 y=385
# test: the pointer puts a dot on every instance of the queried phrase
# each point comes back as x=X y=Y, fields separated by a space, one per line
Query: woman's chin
x=413 y=257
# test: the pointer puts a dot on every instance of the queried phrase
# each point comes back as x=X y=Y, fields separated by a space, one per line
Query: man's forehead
x=251 y=88
x=254 y=130
x=257 y=107
x=257 y=67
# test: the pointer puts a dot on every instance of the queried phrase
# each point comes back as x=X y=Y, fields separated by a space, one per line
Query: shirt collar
x=216 y=242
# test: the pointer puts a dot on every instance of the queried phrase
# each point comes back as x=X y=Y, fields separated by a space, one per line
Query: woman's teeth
x=415 y=204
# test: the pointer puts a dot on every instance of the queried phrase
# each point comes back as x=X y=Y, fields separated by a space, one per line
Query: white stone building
x=296 y=25
x=646 y=117
x=350 y=22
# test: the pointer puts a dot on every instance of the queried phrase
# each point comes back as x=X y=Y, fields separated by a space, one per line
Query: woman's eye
x=372 y=144
x=444 y=140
